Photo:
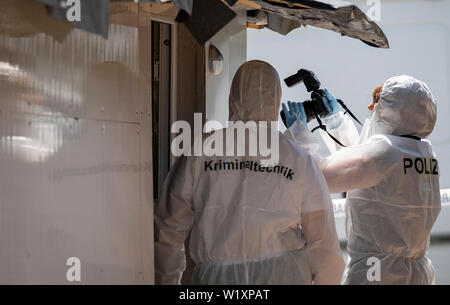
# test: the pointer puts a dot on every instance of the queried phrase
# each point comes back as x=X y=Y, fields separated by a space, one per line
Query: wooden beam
x=160 y=9
x=247 y=4
x=254 y=26
x=289 y=3
x=124 y=13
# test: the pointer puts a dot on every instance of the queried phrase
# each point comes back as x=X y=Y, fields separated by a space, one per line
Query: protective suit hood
x=406 y=107
x=255 y=93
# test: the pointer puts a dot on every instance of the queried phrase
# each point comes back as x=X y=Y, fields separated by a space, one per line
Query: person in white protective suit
x=392 y=178
x=248 y=224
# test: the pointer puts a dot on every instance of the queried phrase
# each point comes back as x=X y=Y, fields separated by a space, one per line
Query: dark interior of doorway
x=161 y=97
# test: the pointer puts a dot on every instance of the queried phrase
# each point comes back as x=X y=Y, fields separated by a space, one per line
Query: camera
x=317 y=106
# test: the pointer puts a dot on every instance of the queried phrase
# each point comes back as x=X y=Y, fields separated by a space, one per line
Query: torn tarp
x=204 y=18
x=93 y=15
x=334 y=15
x=208 y=17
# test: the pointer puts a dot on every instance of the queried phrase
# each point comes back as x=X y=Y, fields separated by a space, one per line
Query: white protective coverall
x=251 y=224
x=393 y=183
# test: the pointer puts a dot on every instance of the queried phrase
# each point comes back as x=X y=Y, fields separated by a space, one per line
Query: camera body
x=317 y=105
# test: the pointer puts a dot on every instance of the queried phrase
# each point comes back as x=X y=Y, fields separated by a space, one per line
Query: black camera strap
x=348 y=111
x=411 y=137
x=324 y=128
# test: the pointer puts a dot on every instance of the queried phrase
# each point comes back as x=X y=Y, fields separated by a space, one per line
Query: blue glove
x=332 y=102
x=296 y=112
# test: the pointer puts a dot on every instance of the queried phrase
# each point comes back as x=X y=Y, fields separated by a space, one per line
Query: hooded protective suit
x=393 y=183
x=248 y=223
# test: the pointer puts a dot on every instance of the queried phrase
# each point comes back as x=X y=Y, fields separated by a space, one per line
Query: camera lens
x=309 y=110
x=319 y=104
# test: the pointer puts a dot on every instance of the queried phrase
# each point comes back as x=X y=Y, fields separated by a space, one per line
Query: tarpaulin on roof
x=95 y=14
x=204 y=18
x=334 y=15
x=208 y=17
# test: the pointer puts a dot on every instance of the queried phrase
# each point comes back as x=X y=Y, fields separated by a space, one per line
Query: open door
x=161 y=102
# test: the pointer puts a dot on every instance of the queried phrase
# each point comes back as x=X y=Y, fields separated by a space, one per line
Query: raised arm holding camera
x=391 y=175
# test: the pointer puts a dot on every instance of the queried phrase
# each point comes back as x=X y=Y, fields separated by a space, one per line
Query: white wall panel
x=231 y=41
x=75 y=157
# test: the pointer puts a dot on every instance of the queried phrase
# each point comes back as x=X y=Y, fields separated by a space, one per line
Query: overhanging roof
x=204 y=18
x=337 y=16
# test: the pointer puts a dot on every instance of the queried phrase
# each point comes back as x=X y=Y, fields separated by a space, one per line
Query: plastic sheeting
x=282 y=17
x=208 y=17
x=333 y=15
